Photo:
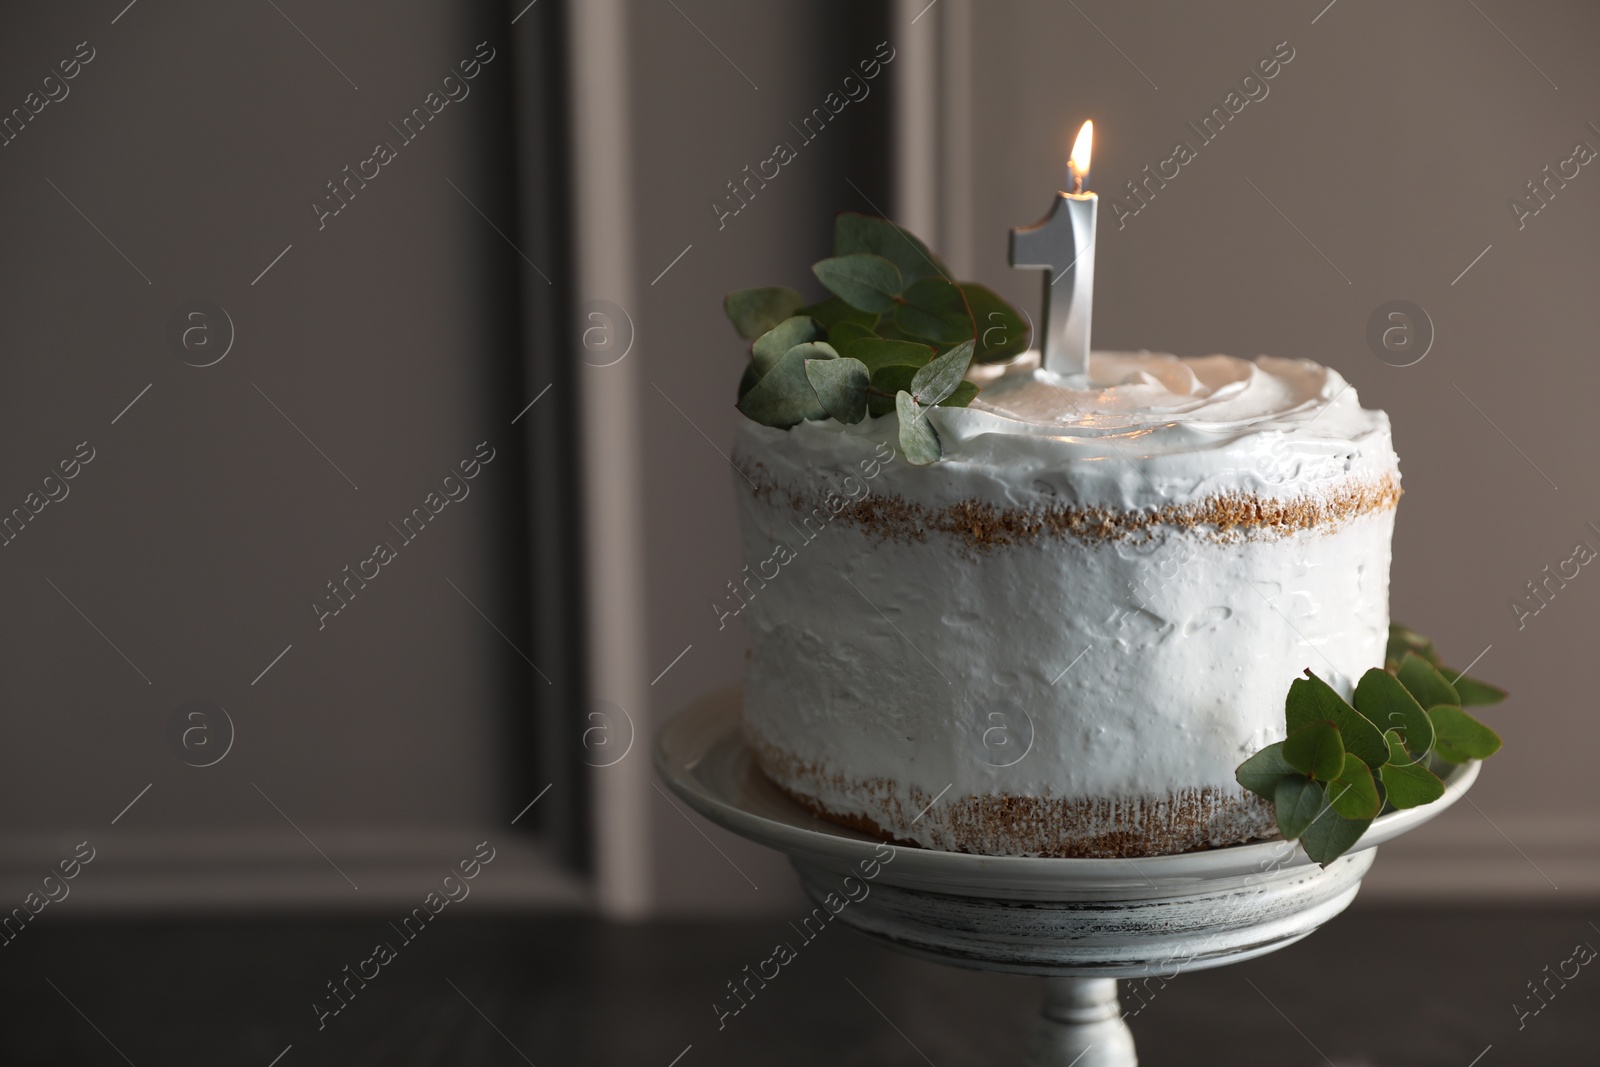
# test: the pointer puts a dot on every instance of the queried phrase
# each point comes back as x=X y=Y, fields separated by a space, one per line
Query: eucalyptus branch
x=1357 y=760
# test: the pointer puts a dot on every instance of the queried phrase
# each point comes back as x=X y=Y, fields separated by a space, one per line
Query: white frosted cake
x=1063 y=637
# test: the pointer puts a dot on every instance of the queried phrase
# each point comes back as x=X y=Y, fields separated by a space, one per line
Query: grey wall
x=195 y=143
x=700 y=122
x=1392 y=141
x=196 y=538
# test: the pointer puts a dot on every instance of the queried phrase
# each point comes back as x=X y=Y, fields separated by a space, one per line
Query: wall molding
x=609 y=450
x=276 y=870
x=1463 y=857
x=1456 y=860
x=933 y=175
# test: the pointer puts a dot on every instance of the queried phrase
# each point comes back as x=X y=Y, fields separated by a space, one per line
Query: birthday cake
x=1063 y=637
x=1000 y=609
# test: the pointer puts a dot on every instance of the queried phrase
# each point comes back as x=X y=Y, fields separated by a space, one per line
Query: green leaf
x=965 y=394
x=1469 y=691
x=1461 y=737
x=886 y=383
x=776 y=342
x=784 y=395
x=1403 y=640
x=749 y=380
x=833 y=311
x=885 y=327
x=1260 y=773
x=1410 y=785
x=755 y=311
x=935 y=309
x=1407 y=784
x=1473 y=692
x=1002 y=331
x=918 y=440
x=880 y=352
x=940 y=378
x=854 y=232
x=1353 y=793
x=1390 y=705
x=1298 y=801
x=1315 y=750
x=842 y=333
x=1425 y=682
x=1310 y=699
x=1332 y=835
x=841 y=387
x=863 y=280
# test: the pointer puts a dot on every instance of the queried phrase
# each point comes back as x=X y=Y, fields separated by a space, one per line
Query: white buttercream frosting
x=1126 y=667
x=1146 y=430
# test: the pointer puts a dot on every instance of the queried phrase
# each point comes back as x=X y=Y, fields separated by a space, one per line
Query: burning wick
x=1078 y=164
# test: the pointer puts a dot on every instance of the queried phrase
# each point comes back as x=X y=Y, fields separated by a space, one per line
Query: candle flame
x=1079 y=162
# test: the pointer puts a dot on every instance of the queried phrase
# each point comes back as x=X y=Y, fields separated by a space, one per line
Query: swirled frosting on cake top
x=1154 y=392
x=1142 y=430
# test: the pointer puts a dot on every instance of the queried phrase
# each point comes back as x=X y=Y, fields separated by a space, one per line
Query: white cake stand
x=1078 y=923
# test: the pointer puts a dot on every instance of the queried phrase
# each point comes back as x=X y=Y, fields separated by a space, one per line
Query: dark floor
x=1377 y=988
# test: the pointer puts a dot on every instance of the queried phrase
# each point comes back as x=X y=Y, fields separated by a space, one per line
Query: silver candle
x=1062 y=245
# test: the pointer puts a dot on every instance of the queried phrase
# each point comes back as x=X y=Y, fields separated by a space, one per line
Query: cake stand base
x=1081 y=1026
x=1080 y=924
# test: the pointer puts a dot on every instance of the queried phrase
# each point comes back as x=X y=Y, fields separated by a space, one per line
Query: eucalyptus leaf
x=755 y=311
x=1298 y=801
x=814 y=350
x=1460 y=736
x=935 y=309
x=1332 y=835
x=854 y=232
x=1354 y=793
x=784 y=395
x=918 y=440
x=748 y=381
x=842 y=333
x=890 y=380
x=841 y=387
x=1425 y=682
x=1403 y=640
x=1260 y=773
x=1390 y=705
x=776 y=342
x=886 y=383
x=941 y=377
x=833 y=311
x=1002 y=331
x=1315 y=750
x=862 y=280
x=880 y=352
x=1474 y=692
x=1310 y=699
x=886 y=327
x=1407 y=784
x=965 y=394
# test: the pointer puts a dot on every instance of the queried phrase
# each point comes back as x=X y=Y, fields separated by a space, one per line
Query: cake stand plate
x=1078 y=923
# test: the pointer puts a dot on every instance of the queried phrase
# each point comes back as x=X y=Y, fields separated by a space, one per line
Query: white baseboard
x=272 y=870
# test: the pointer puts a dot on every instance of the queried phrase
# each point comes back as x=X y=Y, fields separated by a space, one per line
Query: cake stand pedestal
x=1080 y=924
